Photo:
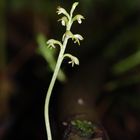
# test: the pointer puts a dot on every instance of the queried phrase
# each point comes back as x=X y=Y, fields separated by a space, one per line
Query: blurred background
x=109 y=71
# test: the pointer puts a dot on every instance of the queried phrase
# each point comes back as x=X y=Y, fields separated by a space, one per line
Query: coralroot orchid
x=67 y=20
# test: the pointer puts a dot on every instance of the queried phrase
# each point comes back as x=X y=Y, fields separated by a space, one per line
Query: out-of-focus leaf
x=132 y=100
x=48 y=55
x=131 y=80
x=2 y=34
x=128 y=35
x=127 y=64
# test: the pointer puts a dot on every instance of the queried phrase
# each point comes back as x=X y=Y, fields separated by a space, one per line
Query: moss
x=86 y=128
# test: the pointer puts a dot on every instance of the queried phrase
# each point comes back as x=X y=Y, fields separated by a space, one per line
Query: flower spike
x=66 y=20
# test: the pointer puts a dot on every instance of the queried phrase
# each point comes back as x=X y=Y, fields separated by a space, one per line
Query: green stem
x=49 y=92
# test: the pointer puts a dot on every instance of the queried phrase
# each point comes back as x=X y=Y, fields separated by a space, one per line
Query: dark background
x=109 y=70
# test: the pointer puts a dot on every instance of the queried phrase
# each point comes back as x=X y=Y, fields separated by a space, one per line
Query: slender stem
x=58 y=65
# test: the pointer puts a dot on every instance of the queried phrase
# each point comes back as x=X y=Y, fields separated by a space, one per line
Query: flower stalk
x=66 y=20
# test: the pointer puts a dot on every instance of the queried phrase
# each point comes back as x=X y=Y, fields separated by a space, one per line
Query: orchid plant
x=66 y=20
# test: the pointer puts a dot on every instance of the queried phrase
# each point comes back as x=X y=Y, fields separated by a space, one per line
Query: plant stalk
x=54 y=77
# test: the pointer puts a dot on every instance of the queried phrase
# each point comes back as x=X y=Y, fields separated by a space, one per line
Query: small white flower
x=78 y=18
x=61 y=10
x=52 y=42
x=74 y=60
x=72 y=63
x=63 y=20
x=77 y=38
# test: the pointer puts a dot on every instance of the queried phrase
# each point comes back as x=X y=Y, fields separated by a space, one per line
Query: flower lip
x=79 y=21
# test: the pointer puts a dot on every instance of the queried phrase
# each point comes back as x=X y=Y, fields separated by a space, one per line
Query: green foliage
x=128 y=63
